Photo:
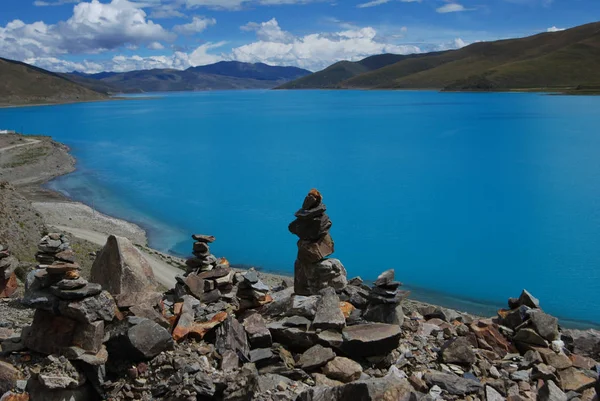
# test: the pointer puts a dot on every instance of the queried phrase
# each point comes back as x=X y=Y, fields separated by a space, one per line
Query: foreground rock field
x=226 y=335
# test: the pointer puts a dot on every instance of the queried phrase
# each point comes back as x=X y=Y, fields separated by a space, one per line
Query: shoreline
x=66 y=214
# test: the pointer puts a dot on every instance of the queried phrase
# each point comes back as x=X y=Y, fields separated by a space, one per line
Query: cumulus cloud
x=272 y=45
x=314 y=51
x=451 y=8
x=554 y=29
x=94 y=27
x=197 y=25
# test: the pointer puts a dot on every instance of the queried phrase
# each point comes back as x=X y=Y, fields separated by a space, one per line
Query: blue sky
x=121 y=35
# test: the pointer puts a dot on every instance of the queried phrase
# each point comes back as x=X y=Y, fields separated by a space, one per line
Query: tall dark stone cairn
x=313 y=271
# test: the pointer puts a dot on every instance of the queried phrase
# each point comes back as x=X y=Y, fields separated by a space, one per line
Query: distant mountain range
x=568 y=61
x=222 y=75
x=22 y=83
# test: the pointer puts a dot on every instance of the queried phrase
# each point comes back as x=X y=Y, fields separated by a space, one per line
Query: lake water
x=471 y=197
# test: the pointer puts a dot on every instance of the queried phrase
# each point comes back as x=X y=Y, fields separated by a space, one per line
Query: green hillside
x=564 y=61
x=332 y=76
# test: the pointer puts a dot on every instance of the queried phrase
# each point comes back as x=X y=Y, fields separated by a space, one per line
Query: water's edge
x=464 y=304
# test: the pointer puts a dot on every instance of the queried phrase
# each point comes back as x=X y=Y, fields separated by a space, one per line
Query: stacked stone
x=252 y=292
x=207 y=278
x=385 y=300
x=70 y=312
x=8 y=279
x=203 y=260
x=313 y=271
x=55 y=248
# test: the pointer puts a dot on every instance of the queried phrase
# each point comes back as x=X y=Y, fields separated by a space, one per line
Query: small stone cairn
x=70 y=312
x=8 y=279
x=385 y=300
x=252 y=292
x=207 y=278
x=313 y=271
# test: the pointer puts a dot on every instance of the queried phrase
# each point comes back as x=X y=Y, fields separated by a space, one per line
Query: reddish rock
x=89 y=336
x=199 y=330
x=488 y=332
x=311 y=252
x=8 y=377
x=10 y=396
x=572 y=379
x=61 y=268
x=203 y=238
x=582 y=362
x=8 y=286
x=346 y=308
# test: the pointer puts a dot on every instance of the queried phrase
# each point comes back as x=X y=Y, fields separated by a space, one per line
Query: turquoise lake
x=469 y=197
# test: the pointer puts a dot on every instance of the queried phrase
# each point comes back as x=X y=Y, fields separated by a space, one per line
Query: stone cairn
x=313 y=271
x=252 y=292
x=69 y=318
x=385 y=300
x=8 y=279
x=207 y=278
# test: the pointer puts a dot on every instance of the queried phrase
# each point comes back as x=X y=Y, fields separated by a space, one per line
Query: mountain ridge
x=562 y=61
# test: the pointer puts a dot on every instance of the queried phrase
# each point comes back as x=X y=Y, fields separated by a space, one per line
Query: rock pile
x=385 y=300
x=54 y=247
x=252 y=292
x=8 y=279
x=207 y=278
x=69 y=320
x=312 y=270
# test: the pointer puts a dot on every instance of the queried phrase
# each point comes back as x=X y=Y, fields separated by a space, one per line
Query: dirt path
x=28 y=143
x=164 y=273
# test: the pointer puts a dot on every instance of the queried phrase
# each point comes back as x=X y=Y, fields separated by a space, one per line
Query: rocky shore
x=221 y=334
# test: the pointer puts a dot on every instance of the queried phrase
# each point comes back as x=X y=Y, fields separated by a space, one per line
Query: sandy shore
x=78 y=215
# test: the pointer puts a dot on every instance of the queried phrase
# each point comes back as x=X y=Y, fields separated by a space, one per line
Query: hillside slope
x=22 y=84
x=564 y=60
x=332 y=76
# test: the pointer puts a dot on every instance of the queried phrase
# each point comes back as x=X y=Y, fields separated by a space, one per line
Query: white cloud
x=374 y=3
x=314 y=51
x=42 y=3
x=156 y=46
x=197 y=25
x=94 y=27
x=272 y=45
x=451 y=8
x=554 y=29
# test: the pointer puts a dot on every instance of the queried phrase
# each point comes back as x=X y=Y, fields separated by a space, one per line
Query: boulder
x=294 y=338
x=586 y=343
x=343 y=369
x=315 y=357
x=529 y=337
x=121 y=268
x=528 y=300
x=312 y=252
x=329 y=315
x=391 y=387
x=129 y=299
x=49 y=333
x=258 y=333
x=231 y=336
x=138 y=339
x=545 y=325
x=89 y=336
x=8 y=377
x=550 y=392
x=458 y=351
x=372 y=339
x=384 y=313
x=310 y=278
x=572 y=379
x=453 y=384
x=88 y=310
x=303 y=306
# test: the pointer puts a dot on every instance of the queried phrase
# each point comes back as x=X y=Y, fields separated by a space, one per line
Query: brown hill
x=22 y=84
